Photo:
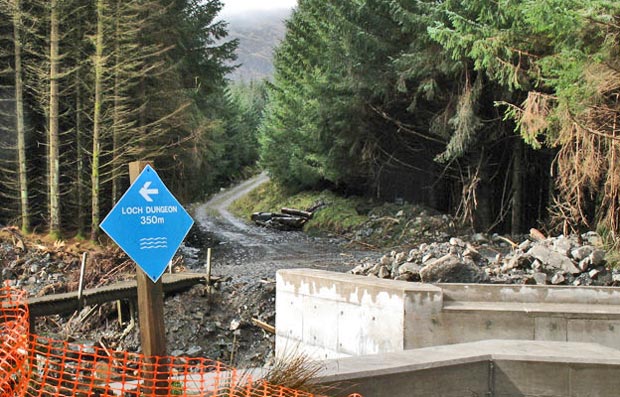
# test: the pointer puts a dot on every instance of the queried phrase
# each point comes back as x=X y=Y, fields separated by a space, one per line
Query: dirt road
x=243 y=250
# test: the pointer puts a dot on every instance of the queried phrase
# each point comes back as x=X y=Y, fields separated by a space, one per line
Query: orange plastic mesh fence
x=32 y=365
x=14 y=340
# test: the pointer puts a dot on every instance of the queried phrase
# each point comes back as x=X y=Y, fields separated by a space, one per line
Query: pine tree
x=14 y=40
x=53 y=139
x=98 y=66
x=19 y=116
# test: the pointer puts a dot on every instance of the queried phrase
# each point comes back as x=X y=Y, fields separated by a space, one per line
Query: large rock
x=540 y=278
x=451 y=269
x=563 y=245
x=384 y=272
x=386 y=260
x=592 y=238
x=597 y=257
x=518 y=261
x=558 y=279
x=580 y=253
x=409 y=268
x=553 y=259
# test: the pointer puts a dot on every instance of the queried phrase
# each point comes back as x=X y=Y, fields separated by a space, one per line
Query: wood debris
x=263 y=325
x=286 y=219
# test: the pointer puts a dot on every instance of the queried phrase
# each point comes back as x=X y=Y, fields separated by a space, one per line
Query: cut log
x=293 y=221
x=261 y=216
x=296 y=212
x=279 y=215
x=278 y=221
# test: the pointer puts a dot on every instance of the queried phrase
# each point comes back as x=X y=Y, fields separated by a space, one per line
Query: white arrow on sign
x=146 y=192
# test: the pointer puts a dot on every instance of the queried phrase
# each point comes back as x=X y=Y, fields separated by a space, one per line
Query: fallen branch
x=509 y=241
x=370 y=246
x=269 y=328
x=18 y=241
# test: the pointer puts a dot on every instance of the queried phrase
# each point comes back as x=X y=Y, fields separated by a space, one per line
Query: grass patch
x=380 y=225
x=611 y=244
x=337 y=216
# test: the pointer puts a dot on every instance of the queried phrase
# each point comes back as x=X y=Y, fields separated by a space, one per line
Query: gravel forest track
x=242 y=249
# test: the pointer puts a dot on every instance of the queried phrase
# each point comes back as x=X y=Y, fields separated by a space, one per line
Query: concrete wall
x=325 y=315
x=333 y=315
x=488 y=368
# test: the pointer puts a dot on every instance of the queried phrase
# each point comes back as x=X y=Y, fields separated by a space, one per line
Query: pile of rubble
x=572 y=260
x=398 y=225
x=42 y=267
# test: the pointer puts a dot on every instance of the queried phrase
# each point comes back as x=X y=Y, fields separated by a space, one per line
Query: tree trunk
x=116 y=119
x=79 y=142
x=53 y=139
x=517 y=187
x=483 y=217
x=95 y=176
x=19 y=111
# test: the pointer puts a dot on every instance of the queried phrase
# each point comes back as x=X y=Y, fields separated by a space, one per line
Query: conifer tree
x=98 y=67
x=14 y=40
x=564 y=55
x=53 y=113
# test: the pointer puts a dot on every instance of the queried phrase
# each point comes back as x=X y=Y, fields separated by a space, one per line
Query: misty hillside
x=258 y=33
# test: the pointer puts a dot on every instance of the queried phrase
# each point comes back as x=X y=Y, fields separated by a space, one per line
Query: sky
x=232 y=7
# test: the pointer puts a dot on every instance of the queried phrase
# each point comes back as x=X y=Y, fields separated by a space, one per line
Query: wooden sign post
x=149 y=224
x=151 y=314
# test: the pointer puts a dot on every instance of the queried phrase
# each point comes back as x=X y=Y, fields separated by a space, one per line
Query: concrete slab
x=430 y=357
x=493 y=368
x=336 y=315
x=530 y=378
x=470 y=326
x=530 y=293
x=569 y=310
x=594 y=380
x=463 y=380
x=603 y=331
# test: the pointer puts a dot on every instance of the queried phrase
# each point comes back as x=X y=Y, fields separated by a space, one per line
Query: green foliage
x=566 y=54
x=338 y=215
x=465 y=123
x=317 y=103
x=186 y=105
x=245 y=104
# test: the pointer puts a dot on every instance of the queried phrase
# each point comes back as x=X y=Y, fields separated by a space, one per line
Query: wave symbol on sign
x=153 y=243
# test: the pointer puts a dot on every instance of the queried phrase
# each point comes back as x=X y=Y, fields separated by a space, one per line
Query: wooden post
x=151 y=316
x=81 y=283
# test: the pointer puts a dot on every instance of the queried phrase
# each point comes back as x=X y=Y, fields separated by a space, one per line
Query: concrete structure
x=330 y=315
x=490 y=368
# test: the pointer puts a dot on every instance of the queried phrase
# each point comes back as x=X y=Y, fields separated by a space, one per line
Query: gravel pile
x=563 y=260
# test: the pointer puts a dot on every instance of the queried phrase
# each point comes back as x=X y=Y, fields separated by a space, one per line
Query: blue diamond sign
x=148 y=223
